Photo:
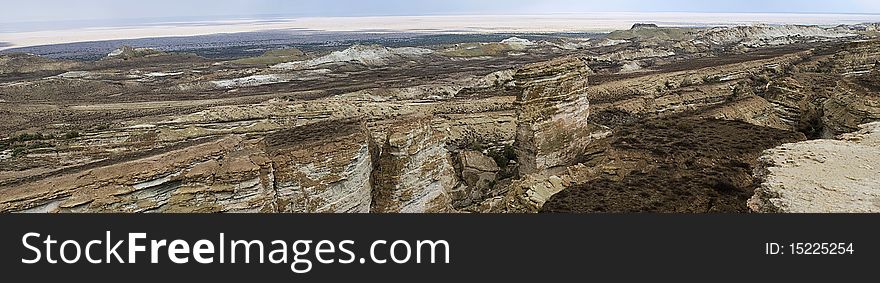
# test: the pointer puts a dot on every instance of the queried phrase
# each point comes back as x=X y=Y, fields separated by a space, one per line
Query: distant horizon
x=42 y=25
x=294 y=15
x=103 y=10
x=20 y=35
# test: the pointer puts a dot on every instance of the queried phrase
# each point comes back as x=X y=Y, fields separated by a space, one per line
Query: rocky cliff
x=413 y=171
x=552 y=116
x=505 y=132
x=840 y=175
x=316 y=168
x=764 y=35
x=671 y=164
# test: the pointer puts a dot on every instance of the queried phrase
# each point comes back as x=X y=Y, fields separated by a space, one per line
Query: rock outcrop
x=471 y=126
x=766 y=35
x=128 y=52
x=854 y=58
x=626 y=55
x=19 y=63
x=552 y=117
x=527 y=194
x=413 y=171
x=324 y=167
x=815 y=176
x=844 y=113
x=517 y=43
x=479 y=174
x=369 y=55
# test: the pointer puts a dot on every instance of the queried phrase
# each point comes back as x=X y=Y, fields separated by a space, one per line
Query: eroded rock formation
x=815 y=176
x=324 y=167
x=413 y=171
x=514 y=126
x=479 y=175
x=552 y=127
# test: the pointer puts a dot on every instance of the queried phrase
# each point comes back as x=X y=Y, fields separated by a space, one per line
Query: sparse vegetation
x=650 y=33
x=71 y=135
x=474 y=145
x=711 y=79
x=22 y=143
x=476 y=49
x=272 y=57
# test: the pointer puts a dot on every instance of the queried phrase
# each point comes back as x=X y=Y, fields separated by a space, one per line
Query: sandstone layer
x=552 y=127
x=414 y=171
x=316 y=168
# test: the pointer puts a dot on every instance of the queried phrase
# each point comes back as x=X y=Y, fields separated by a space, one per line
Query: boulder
x=821 y=176
x=322 y=167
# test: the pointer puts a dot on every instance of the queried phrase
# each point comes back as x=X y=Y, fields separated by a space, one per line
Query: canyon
x=649 y=119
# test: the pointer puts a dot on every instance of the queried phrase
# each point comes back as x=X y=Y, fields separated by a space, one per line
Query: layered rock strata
x=322 y=167
x=552 y=127
x=413 y=171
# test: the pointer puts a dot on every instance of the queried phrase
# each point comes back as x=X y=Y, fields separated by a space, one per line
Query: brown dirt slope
x=676 y=164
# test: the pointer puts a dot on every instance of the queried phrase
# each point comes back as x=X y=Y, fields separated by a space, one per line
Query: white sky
x=16 y=11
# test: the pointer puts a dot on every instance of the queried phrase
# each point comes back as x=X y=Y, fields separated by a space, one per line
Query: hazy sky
x=17 y=11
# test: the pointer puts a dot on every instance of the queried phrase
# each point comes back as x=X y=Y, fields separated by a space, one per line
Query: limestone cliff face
x=413 y=171
x=552 y=132
x=630 y=99
x=858 y=57
x=765 y=35
x=844 y=113
x=18 y=63
x=322 y=168
x=552 y=127
x=315 y=168
x=847 y=101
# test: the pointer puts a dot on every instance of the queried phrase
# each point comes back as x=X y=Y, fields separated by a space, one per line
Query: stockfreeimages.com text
x=45 y=248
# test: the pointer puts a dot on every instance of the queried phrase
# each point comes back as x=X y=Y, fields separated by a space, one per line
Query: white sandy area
x=589 y=22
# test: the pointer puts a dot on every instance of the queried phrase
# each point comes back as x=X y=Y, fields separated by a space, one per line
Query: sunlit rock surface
x=840 y=175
